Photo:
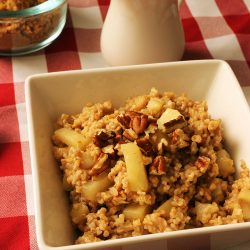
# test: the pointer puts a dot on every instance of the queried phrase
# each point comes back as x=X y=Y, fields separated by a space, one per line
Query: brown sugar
x=15 y=5
x=20 y=33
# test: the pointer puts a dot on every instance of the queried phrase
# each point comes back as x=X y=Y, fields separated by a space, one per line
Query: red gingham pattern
x=213 y=29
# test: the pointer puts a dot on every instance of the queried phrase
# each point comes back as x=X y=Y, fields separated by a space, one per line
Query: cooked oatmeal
x=157 y=164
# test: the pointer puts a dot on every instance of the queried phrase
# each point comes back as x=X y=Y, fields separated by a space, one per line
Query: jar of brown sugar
x=27 y=26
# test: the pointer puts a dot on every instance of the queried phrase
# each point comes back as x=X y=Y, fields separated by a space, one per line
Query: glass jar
x=28 y=30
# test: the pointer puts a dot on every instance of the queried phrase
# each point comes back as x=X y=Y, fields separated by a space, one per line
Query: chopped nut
x=110 y=151
x=119 y=138
x=132 y=114
x=140 y=123
x=118 y=148
x=175 y=137
x=170 y=120
x=158 y=166
x=179 y=138
x=202 y=163
x=147 y=160
x=102 y=139
x=135 y=120
x=162 y=145
x=146 y=146
x=124 y=120
x=130 y=134
x=101 y=165
x=152 y=127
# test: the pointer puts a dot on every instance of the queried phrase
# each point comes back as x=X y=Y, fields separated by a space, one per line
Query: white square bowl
x=49 y=95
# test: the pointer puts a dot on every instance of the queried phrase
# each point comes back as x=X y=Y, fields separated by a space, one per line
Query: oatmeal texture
x=23 y=32
x=189 y=176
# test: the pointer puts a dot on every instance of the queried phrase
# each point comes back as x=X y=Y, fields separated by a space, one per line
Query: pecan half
x=139 y=123
x=102 y=163
x=146 y=146
x=103 y=139
x=158 y=166
x=135 y=120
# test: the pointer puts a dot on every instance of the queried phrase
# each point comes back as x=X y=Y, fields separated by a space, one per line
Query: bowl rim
x=32 y=11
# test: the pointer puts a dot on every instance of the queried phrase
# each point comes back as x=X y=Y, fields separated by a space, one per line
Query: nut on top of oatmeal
x=156 y=164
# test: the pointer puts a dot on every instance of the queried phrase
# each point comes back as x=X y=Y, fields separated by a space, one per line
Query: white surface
x=247 y=2
x=225 y=47
x=25 y=66
x=92 y=60
x=52 y=94
x=86 y=18
x=202 y=9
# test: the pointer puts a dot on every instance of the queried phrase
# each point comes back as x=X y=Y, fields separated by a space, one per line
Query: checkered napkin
x=213 y=29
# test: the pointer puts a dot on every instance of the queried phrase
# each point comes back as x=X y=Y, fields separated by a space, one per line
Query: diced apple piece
x=204 y=211
x=87 y=160
x=137 y=176
x=136 y=211
x=244 y=201
x=140 y=102
x=219 y=190
x=170 y=120
x=92 y=188
x=225 y=163
x=79 y=212
x=155 y=105
x=71 y=138
x=166 y=207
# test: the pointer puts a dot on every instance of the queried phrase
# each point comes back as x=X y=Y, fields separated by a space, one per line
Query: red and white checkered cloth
x=213 y=29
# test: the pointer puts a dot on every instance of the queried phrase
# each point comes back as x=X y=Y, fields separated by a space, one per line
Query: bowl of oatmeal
x=141 y=153
x=28 y=26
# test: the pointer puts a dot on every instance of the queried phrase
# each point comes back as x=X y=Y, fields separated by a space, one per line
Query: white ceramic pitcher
x=142 y=31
